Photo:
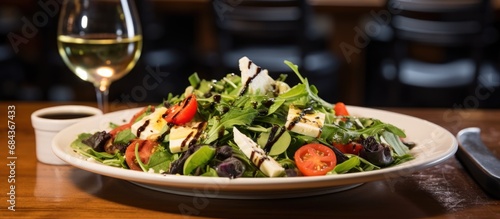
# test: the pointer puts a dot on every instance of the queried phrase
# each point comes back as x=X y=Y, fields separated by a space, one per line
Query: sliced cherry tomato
x=146 y=148
x=183 y=112
x=341 y=147
x=120 y=128
x=340 y=109
x=349 y=148
x=315 y=159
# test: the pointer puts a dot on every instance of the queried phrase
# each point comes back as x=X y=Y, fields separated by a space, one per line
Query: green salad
x=248 y=125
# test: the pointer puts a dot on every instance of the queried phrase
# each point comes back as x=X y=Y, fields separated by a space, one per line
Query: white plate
x=434 y=145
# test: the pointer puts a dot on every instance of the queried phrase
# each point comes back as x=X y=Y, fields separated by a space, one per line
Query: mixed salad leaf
x=247 y=126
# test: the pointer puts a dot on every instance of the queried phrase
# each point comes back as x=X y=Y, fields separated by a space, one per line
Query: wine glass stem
x=102 y=98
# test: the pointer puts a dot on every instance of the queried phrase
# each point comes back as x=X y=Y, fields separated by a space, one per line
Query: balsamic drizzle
x=164 y=134
x=184 y=142
x=260 y=160
x=142 y=128
x=298 y=118
x=194 y=139
x=274 y=136
x=301 y=117
x=217 y=98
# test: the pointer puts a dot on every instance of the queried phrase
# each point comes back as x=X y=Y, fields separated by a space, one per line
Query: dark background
x=178 y=40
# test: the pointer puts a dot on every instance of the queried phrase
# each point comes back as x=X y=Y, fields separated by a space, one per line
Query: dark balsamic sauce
x=199 y=129
x=184 y=143
x=217 y=98
x=298 y=118
x=64 y=116
x=274 y=136
x=220 y=133
x=142 y=128
x=268 y=103
x=260 y=160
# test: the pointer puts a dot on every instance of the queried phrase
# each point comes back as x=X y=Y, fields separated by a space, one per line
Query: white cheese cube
x=255 y=79
x=309 y=124
x=266 y=164
x=182 y=136
x=150 y=126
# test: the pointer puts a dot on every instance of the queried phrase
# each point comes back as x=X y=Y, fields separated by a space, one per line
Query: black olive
x=223 y=152
x=97 y=140
x=231 y=167
x=376 y=153
x=115 y=148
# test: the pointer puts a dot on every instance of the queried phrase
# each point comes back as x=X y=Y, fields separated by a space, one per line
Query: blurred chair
x=269 y=32
x=435 y=53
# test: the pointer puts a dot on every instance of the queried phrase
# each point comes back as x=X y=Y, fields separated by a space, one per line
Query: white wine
x=100 y=58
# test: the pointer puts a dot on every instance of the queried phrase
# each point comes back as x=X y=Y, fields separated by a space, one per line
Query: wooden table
x=45 y=191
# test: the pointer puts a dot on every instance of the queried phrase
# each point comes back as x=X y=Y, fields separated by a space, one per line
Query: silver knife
x=479 y=161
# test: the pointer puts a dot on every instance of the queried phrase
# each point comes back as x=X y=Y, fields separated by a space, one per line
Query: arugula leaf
x=118 y=161
x=312 y=94
x=344 y=132
x=295 y=92
x=276 y=105
x=273 y=120
x=345 y=166
x=279 y=143
x=194 y=80
x=353 y=164
x=366 y=165
x=137 y=156
x=198 y=159
x=113 y=125
x=210 y=172
x=109 y=159
x=160 y=160
x=395 y=130
x=124 y=137
x=233 y=117
x=396 y=144
x=402 y=159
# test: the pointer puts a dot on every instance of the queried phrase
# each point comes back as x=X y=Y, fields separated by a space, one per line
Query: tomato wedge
x=315 y=159
x=349 y=148
x=183 y=112
x=340 y=109
x=120 y=128
x=146 y=148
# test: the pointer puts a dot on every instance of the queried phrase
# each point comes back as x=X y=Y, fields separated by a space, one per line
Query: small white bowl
x=47 y=122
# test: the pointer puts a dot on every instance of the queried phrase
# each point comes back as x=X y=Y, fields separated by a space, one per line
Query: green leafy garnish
x=124 y=137
x=78 y=146
x=198 y=159
x=228 y=120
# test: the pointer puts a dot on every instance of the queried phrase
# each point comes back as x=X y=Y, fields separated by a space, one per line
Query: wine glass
x=100 y=41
